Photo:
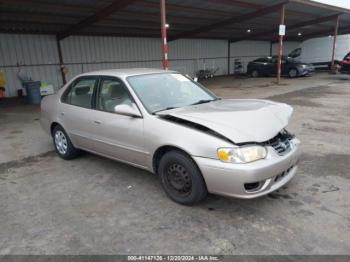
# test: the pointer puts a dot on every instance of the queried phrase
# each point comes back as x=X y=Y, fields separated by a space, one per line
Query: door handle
x=62 y=114
x=97 y=122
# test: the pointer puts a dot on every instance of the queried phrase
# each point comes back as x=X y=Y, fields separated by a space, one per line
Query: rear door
x=272 y=66
x=268 y=66
x=117 y=136
x=76 y=108
x=262 y=64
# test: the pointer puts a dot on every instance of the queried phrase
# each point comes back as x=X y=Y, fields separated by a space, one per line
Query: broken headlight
x=243 y=154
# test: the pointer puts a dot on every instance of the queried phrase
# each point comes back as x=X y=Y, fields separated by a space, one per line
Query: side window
x=80 y=93
x=274 y=60
x=112 y=92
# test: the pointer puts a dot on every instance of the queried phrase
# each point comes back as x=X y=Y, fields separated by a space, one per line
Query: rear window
x=80 y=92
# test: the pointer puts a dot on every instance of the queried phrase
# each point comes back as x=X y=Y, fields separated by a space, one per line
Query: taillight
x=346 y=62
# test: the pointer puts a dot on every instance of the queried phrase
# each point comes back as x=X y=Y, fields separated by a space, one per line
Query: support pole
x=271 y=45
x=60 y=58
x=164 y=39
x=280 y=46
x=334 y=40
x=228 y=58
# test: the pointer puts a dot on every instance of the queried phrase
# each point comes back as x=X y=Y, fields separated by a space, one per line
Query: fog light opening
x=252 y=186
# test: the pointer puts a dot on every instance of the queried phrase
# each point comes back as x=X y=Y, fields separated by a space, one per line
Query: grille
x=281 y=142
x=283 y=174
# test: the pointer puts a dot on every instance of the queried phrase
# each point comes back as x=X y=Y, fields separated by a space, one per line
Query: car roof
x=128 y=72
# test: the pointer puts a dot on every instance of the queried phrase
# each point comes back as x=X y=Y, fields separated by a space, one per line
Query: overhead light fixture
x=167 y=25
x=248 y=30
x=299 y=34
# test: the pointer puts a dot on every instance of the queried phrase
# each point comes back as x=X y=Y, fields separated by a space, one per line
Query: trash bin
x=33 y=91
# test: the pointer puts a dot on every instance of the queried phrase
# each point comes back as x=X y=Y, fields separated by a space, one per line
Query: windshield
x=159 y=92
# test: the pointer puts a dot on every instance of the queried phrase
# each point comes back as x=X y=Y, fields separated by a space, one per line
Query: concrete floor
x=93 y=205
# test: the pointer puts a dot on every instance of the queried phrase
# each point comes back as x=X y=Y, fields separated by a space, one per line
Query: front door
x=117 y=136
x=273 y=67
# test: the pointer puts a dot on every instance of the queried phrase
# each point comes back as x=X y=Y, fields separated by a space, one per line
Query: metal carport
x=232 y=20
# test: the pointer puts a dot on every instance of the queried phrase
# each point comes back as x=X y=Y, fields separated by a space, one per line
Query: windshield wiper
x=203 y=101
x=164 y=109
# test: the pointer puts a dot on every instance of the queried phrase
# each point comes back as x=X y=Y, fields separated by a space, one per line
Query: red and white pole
x=164 y=40
x=280 y=54
x=280 y=45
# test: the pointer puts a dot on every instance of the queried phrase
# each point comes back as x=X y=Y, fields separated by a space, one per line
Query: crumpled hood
x=240 y=120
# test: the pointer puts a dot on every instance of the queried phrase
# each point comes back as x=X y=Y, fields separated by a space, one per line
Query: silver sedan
x=168 y=124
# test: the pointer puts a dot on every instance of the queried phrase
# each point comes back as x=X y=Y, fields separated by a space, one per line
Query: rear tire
x=255 y=73
x=63 y=145
x=181 y=179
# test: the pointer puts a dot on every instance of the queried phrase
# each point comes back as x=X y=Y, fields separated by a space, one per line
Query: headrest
x=82 y=90
x=116 y=90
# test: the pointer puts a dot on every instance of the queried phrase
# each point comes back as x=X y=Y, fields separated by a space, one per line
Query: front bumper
x=306 y=71
x=270 y=173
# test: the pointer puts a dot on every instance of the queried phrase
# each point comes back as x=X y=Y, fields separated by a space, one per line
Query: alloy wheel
x=255 y=73
x=61 y=142
x=293 y=73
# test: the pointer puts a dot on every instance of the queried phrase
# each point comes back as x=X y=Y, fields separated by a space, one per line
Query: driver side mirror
x=127 y=110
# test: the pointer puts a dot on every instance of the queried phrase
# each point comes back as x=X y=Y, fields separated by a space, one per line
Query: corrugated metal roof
x=141 y=17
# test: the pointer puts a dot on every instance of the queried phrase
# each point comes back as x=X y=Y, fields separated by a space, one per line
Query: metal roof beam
x=291 y=27
x=244 y=4
x=102 y=14
x=321 y=5
x=239 y=3
x=236 y=19
x=61 y=7
x=184 y=8
x=136 y=17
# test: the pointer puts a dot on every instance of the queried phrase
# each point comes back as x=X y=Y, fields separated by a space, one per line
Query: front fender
x=160 y=132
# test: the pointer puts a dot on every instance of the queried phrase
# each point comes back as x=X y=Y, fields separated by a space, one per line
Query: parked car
x=168 y=124
x=267 y=66
x=318 y=51
x=346 y=64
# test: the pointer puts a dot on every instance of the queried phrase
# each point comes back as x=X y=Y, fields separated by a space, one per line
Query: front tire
x=63 y=145
x=292 y=73
x=181 y=179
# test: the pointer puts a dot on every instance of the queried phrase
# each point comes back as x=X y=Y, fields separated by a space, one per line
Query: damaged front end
x=238 y=121
x=260 y=156
x=281 y=143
